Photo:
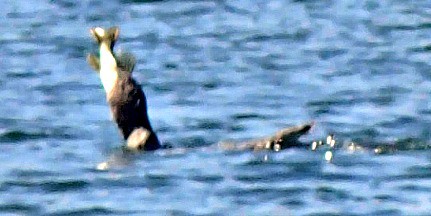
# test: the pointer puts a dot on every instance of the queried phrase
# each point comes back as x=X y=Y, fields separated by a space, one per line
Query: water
x=213 y=71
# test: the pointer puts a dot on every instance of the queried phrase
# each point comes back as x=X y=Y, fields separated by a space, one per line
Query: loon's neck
x=108 y=68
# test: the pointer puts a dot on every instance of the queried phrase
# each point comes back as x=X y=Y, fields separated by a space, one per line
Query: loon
x=128 y=103
x=124 y=95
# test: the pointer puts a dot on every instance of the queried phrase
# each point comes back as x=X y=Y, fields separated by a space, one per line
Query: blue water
x=214 y=71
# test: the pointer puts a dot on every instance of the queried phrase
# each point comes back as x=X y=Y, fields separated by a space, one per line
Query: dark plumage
x=125 y=97
x=129 y=108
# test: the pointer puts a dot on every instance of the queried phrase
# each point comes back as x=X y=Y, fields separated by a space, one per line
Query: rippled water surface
x=212 y=71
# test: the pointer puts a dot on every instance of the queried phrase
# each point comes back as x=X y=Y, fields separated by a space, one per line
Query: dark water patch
x=399 y=27
x=262 y=162
x=94 y=18
x=21 y=136
x=151 y=181
x=189 y=10
x=218 y=54
x=15 y=136
x=412 y=27
x=423 y=69
x=387 y=198
x=30 y=174
x=181 y=88
x=425 y=25
x=371 y=5
x=171 y=65
x=418 y=170
x=96 y=210
x=329 y=213
x=420 y=49
x=425 y=112
x=365 y=136
x=353 y=97
x=160 y=180
x=237 y=128
x=63 y=186
x=415 y=188
x=211 y=85
x=49 y=186
x=204 y=124
x=24 y=74
x=248 y=116
x=141 y=1
x=394 y=90
x=345 y=177
x=335 y=102
x=408 y=176
x=412 y=143
x=166 y=129
x=339 y=73
x=210 y=179
x=73 y=48
x=130 y=182
x=391 y=147
x=387 y=212
x=293 y=203
x=20 y=208
x=271 y=172
x=329 y=53
x=269 y=65
x=248 y=195
x=21 y=15
x=257 y=178
x=194 y=141
x=401 y=120
x=185 y=44
x=69 y=4
x=330 y=194
x=163 y=88
x=65 y=86
x=382 y=100
x=25 y=48
x=311 y=167
x=323 y=109
x=177 y=212
x=299 y=35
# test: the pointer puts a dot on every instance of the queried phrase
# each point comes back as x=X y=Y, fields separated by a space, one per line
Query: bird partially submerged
x=282 y=139
x=128 y=103
x=124 y=95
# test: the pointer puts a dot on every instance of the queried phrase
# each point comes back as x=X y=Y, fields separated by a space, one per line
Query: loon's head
x=108 y=36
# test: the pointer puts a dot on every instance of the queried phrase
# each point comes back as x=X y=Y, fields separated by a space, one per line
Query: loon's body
x=126 y=99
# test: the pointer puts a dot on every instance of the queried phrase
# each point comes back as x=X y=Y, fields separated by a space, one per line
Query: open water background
x=213 y=71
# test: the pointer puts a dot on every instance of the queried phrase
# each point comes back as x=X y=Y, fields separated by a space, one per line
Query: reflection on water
x=212 y=71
